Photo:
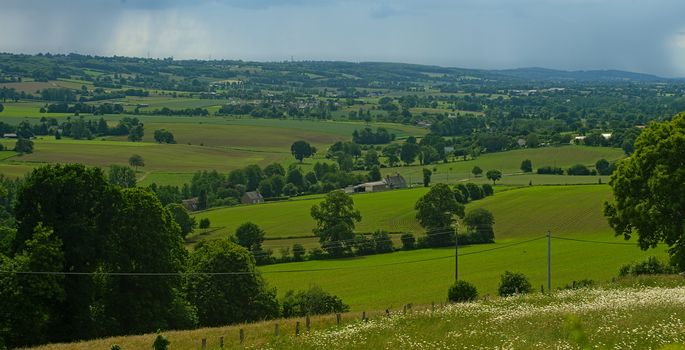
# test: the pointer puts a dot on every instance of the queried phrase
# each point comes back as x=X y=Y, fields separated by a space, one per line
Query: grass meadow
x=632 y=313
x=522 y=212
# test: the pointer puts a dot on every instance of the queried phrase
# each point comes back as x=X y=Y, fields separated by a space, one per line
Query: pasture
x=509 y=163
x=518 y=213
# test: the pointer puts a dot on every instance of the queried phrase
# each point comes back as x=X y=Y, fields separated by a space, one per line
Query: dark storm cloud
x=637 y=35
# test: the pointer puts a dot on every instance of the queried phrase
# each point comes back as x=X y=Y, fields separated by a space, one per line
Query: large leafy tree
x=180 y=215
x=649 y=190
x=302 y=149
x=335 y=217
x=25 y=300
x=239 y=295
x=250 y=236
x=494 y=175
x=435 y=212
x=78 y=205
x=148 y=240
x=122 y=176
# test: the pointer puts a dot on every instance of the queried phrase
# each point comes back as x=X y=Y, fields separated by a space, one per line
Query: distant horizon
x=639 y=36
x=217 y=59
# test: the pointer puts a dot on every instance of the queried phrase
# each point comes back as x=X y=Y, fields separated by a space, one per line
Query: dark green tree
x=302 y=149
x=335 y=217
x=375 y=174
x=527 y=166
x=250 y=236
x=408 y=152
x=180 y=215
x=122 y=176
x=23 y=146
x=477 y=171
x=241 y=296
x=513 y=283
x=135 y=161
x=427 y=177
x=479 y=223
x=136 y=133
x=436 y=211
x=493 y=175
x=649 y=196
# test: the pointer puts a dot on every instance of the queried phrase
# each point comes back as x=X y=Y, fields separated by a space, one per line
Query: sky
x=646 y=36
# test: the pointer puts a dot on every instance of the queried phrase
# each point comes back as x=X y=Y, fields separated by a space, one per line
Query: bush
x=548 y=170
x=408 y=241
x=313 y=301
x=462 y=291
x=580 y=284
x=161 y=342
x=382 y=242
x=487 y=190
x=651 y=266
x=298 y=252
x=579 y=169
x=513 y=283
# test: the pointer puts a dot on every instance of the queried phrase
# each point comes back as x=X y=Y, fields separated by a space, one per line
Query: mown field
x=631 y=313
x=520 y=212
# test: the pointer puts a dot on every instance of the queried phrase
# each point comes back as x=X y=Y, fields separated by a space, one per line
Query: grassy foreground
x=645 y=313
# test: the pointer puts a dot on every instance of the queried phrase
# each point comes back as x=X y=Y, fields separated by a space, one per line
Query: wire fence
x=442 y=232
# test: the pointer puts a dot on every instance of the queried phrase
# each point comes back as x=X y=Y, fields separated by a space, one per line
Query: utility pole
x=549 y=262
x=456 y=255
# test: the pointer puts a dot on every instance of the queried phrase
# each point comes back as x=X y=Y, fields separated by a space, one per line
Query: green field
x=422 y=276
x=510 y=162
x=564 y=209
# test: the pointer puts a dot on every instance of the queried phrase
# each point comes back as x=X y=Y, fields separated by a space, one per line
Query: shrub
x=580 y=284
x=161 y=342
x=578 y=169
x=487 y=190
x=513 y=283
x=548 y=170
x=313 y=301
x=408 y=241
x=298 y=252
x=462 y=291
x=382 y=242
x=651 y=266
x=115 y=347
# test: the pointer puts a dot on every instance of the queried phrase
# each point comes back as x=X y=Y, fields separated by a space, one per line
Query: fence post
x=404 y=309
x=297 y=328
x=276 y=329
x=307 y=323
x=242 y=335
x=363 y=315
x=204 y=343
x=387 y=312
x=432 y=307
x=337 y=319
x=221 y=342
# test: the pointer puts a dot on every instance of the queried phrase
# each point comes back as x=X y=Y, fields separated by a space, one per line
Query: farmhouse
x=191 y=204
x=389 y=183
x=253 y=197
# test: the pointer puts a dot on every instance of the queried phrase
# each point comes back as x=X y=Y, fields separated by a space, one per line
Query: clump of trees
x=312 y=301
x=369 y=137
x=108 y=237
x=648 y=190
x=462 y=291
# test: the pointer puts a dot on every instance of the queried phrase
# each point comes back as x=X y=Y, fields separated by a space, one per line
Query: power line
x=71 y=273
x=589 y=241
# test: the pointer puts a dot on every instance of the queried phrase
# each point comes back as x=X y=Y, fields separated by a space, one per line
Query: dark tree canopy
x=435 y=212
x=649 y=190
x=493 y=175
x=335 y=217
x=302 y=149
x=230 y=298
x=250 y=236
x=180 y=215
x=122 y=176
